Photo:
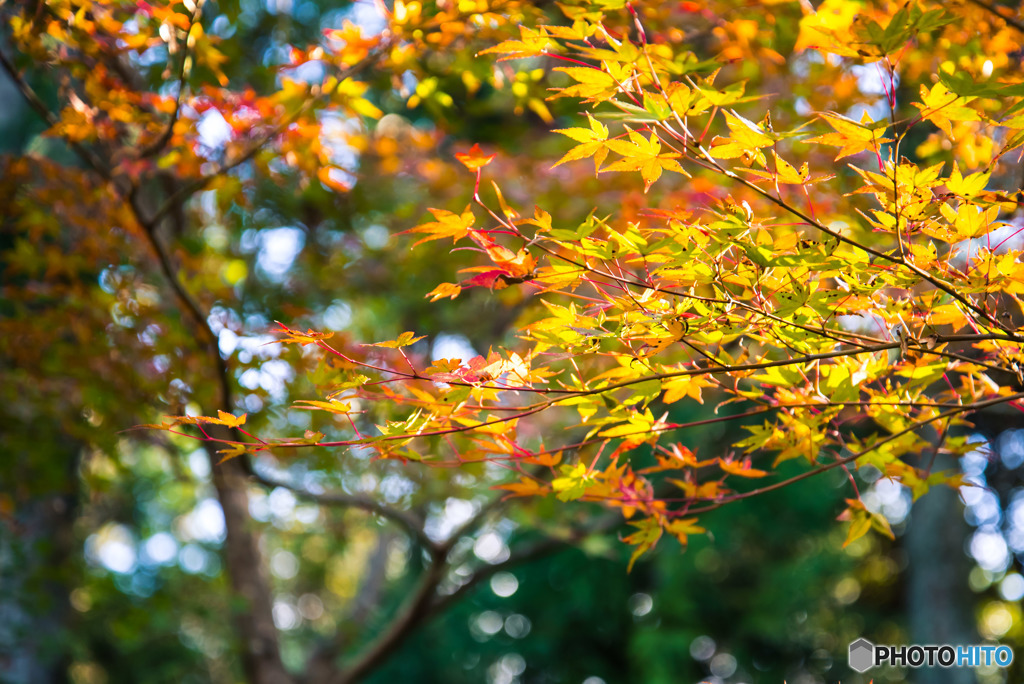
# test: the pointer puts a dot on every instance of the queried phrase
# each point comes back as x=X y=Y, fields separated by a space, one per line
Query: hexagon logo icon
x=862 y=655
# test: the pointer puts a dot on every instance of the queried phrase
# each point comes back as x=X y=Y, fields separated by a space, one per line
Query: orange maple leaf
x=475 y=159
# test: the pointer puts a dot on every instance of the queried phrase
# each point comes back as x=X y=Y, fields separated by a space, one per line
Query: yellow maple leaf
x=740 y=468
x=450 y=290
x=591 y=143
x=593 y=84
x=531 y=44
x=746 y=138
x=448 y=224
x=851 y=137
x=524 y=487
x=970 y=221
x=941 y=107
x=643 y=155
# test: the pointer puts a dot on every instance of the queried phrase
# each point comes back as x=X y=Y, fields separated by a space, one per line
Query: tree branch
x=254 y=621
x=527 y=554
x=321 y=667
x=412 y=613
x=158 y=145
x=189 y=189
x=261 y=657
x=945 y=415
x=424 y=602
x=1010 y=21
x=490 y=507
x=408 y=521
x=51 y=119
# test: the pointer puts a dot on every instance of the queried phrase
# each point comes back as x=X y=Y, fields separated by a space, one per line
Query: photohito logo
x=865 y=655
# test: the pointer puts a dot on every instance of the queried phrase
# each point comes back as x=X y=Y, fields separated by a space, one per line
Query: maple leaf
x=941 y=107
x=510 y=213
x=231 y=420
x=862 y=520
x=740 y=468
x=233 y=451
x=515 y=264
x=549 y=460
x=684 y=386
x=531 y=44
x=573 y=483
x=332 y=406
x=746 y=138
x=223 y=418
x=541 y=219
x=491 y=278
x=404 y=340
x=478 y=369
x=448 y=224
x=682 y=528
x=302 y=338
x=592 y=144
x=786 y=174
x=593 y=84
x=526 y=486
x=969 y=221
x=647 y=536
x=968 y=186
x=851 y=137
x=449 y=290
x=513 y=267
x=643 y=155
x=475 y=159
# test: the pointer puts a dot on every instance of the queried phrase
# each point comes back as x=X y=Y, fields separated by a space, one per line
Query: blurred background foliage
x=110 y=540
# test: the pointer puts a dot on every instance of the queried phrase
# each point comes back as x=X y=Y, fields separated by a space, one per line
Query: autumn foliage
x=815 y=276
x=835 y=272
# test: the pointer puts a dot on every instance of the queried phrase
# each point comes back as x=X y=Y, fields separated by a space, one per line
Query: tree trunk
x=253 y=616
x=939 y=602
x=37 y=558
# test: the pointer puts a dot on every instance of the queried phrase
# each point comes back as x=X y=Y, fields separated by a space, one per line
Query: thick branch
x=485 y=511
x=424 y=603
x=37 y=104
x=254 y=621
x=412 y=613
x=261 y=657
x=527 y=554
x=1010 y=21
x=409 y=522
x=321 y=667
